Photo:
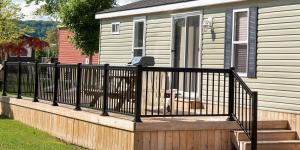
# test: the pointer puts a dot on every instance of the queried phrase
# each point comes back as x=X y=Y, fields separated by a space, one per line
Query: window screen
x=138 y=41
x=240 y=41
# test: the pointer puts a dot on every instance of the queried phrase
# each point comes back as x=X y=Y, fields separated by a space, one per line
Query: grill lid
x=142 y=60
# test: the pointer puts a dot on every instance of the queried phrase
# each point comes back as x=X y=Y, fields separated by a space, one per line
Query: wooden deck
x=88 y=129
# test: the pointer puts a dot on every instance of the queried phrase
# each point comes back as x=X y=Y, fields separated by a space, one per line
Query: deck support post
x=5 y=80
x=138 y=93
x=231 y=95
x=19 y=80
x=105 y=90
x=36 y=83
x=78 y=88
x=55 y=90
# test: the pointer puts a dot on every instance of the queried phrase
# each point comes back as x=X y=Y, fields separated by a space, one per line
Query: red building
x=67 y=53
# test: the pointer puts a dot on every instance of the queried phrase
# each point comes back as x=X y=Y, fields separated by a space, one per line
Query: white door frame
x=172 y=49
x=185 y=15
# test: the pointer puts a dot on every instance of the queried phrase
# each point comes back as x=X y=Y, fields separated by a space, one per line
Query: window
x=115 y=28
x=26 y=52
x=139 y=36
x=240 y=40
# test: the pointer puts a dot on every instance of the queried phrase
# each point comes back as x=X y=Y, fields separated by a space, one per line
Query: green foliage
x=39 y=27
x=9 y=14
x=17 y=136
x=51 y=51
x=79 y=17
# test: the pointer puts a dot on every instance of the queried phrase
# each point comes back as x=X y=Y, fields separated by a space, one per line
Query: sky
x=28 y=10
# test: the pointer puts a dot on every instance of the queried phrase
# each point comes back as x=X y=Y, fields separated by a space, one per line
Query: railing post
x=138 y=94
x=19 y=80
x=254 y=122
x=78 y=88
x=231 y=95
x=36 y=83
x=56 y=74
x=105 y=90
x=5 y=80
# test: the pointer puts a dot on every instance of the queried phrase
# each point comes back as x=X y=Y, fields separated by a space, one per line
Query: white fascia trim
x=168 y=7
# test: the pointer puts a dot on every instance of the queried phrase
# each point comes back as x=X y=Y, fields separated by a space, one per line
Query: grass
x=17 y=136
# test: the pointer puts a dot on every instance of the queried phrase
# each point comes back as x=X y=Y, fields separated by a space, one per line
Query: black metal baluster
x=246 y=118
x=159 y=78
x=165 y=93
x=146 y=101
x=195 y=100
x=183 y=92
x=207 y=88
x=224 y=92
x=36 y=83
x=212 y=93
x=201 y=91
x=219 y=93
x=19 y=80
x=5 y=79
x=152 y=100
x=177 y=94
x=243 y=105
x=171 y=96
x=190 y=82
x=239 y=100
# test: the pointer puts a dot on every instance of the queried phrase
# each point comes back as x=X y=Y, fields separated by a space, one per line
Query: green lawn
x=17 y=136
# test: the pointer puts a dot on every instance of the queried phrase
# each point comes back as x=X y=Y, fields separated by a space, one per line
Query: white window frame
x=139 y=19
x=243 y=74
x=112 y=27
x=29 y=53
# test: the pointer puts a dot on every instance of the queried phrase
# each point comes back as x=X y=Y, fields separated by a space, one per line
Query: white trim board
x=167 y=7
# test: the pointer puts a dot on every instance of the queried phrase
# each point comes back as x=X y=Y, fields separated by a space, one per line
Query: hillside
x=40 y=27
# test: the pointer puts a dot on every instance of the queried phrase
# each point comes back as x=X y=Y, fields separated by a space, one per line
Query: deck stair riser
x=271 y=135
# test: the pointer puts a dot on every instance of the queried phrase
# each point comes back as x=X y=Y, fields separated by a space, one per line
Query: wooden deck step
x=272 y=145
x=273 y=125
x=269 y=135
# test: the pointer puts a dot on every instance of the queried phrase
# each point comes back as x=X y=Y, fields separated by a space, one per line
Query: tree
x=50 y=51
x=79 y=17
x=9 y=31
x=9 y=15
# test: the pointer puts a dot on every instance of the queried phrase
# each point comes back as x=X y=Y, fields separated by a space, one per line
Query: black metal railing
x=244 y=108
x=138 y=91
x=185 y=92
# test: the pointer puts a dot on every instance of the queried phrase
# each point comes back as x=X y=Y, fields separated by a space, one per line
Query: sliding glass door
x=185 y=50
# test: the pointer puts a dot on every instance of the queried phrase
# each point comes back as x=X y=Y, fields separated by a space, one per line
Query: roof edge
x=161 y=8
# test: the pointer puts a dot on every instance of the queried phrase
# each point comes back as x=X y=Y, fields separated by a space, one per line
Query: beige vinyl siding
x=278 y=59
x=213 y=41
x=158 y=36
x=116 y=49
